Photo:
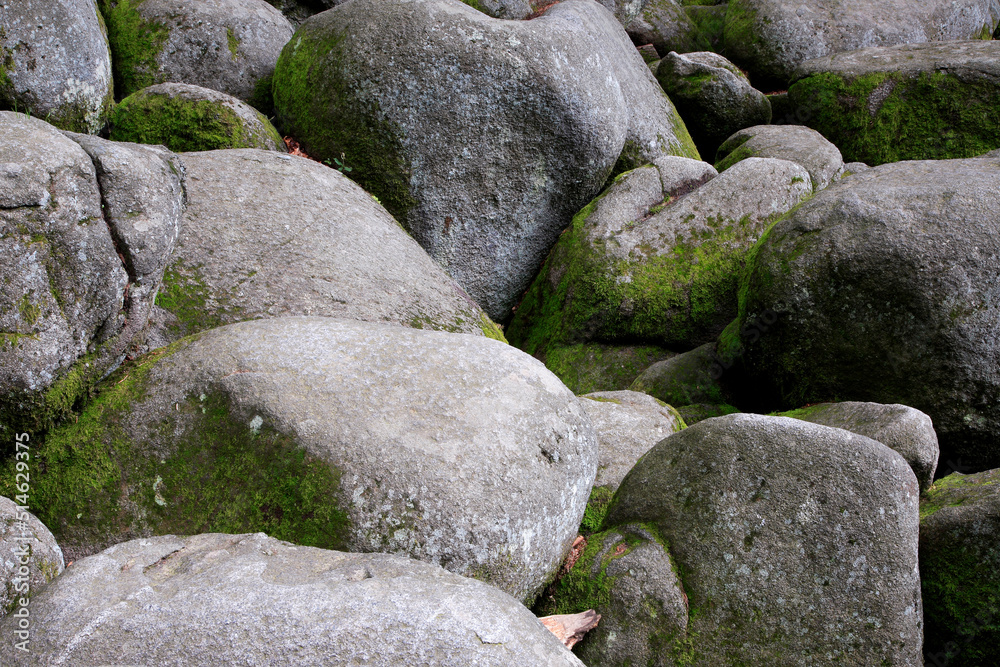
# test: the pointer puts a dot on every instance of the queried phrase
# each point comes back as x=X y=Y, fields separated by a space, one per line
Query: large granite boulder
x=794 y=143
x=907 y=102
x=669 y=25
x=454 y=449
x=883 y=288
x=55 y=63
x=792 y=539
x=960 y=569
x=771 y=37
x=269 y=235
x=29 y=555
x=208 y=599
x=227 y=45
x=655 y=258
x=482 y=137
x=186 y=118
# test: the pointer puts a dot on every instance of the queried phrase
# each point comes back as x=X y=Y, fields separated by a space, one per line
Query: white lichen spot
x=157 y=497
x=256 y=423
x=513 y=42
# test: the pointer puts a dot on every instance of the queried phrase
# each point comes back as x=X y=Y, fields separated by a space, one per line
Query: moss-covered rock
x=589 y=367
x=186 y=118
x=697 y=412
x=911 y=102
x=960 y=569
x=691 y=377
x=794 y=143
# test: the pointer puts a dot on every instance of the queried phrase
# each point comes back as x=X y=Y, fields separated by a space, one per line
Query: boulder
x=55 y=63
x=960 y=569
x=991 y=154
x=793 y=540
x=185 y=118
x=626 y=576
x=794 y=143
x=668 y=26
x=713 y=96
x=907 y=102
x=697 y=412
x=29 y=555
x=627 y=425
x=227 y=45
x=769 y=38
x=691 y=377
x=882 y=288
x=486 y=150
x=270 y=235
x=453 y=449
x=205 y=599
x=654 y=260
x=590 y=367
x=900 y=428
x=297 y=11
x=64 y=285
x=625 y=11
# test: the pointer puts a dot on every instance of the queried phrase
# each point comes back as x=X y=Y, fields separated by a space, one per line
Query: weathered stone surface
x=453 y=449
x=884 y=288
x=697 y=412
x=55 y=63
x=270 y=235
x=227 y=45
x=992 y=154
x=794 y=143
x=907 y=102
x=667 y=26
x=794 y=540
x=184 y=118
x=691 y=377
x=898 y=427
x=626 y=575
x=63 y=286
x=627 y=425
x=770 y=37
x=713 y=96
x=960 y=569
x=29 y=557
x=625 y=11
x=205 y=599
x=655 y=258
x=590 y=367
x=483 y=137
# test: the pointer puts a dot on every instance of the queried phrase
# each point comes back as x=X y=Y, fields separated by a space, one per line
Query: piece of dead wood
x=570 y=628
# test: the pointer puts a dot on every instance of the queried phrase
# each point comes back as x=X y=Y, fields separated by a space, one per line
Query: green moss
x=711 y=22
x=883 y=117
x=135 y=45
x=185 y=125
x=953 y=490
x=587 y=585
x=318 y=102
x=202 y=468
x=6 y=67
x=597 y=507
x=29 y=312
x=185 y=294
x=234 y=43
x=262 y=99
x=696 y=412
x=589 y=367
x=474 y=4
x=490 y=329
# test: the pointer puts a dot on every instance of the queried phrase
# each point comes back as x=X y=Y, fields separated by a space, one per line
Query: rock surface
x=883 y=288
x=794 y=540
x=483 y=137
x=691 y=377
x=900 y=428
x=668 y=26
x=794 y=143
x=142 y=602
x=185 y=118
x=270 y=235
x=29 y=558
x=55 y=63
x=907 y=102
x=453 y=449
x=227 y=45
x=960 y=569
x=713 y=96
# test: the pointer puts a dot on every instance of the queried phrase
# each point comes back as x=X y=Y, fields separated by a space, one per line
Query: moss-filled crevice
x=185 y=294
x=135 y=45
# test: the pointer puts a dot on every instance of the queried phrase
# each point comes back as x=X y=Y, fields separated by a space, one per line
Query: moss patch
x=590 y=367
x=887 y=117
x=210 y=470
x=597 y=507
x=185 y=294
x=954 y=490
x=135 y=45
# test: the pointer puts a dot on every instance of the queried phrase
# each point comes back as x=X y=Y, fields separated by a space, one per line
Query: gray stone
x=691 y=377
x=697 y=412
x=858 y=167
x=29 y=555
x=505 y=9
x=883 y=288
x=625 y=11
x=55 y=63
x=487 y=149
x=898 y=427
x=270 y=235
x=142 y=200
x=960 y=569
x=185 y=118
x=645 y=265
x=627 y=425
x=227 y=45
x=794 y=143
x=794 y=540
x=254 y=600
x=63 y=288
x=992 y=154
x=450 y=448
x=771 y=37
x=667 y=26
x=713 y=96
